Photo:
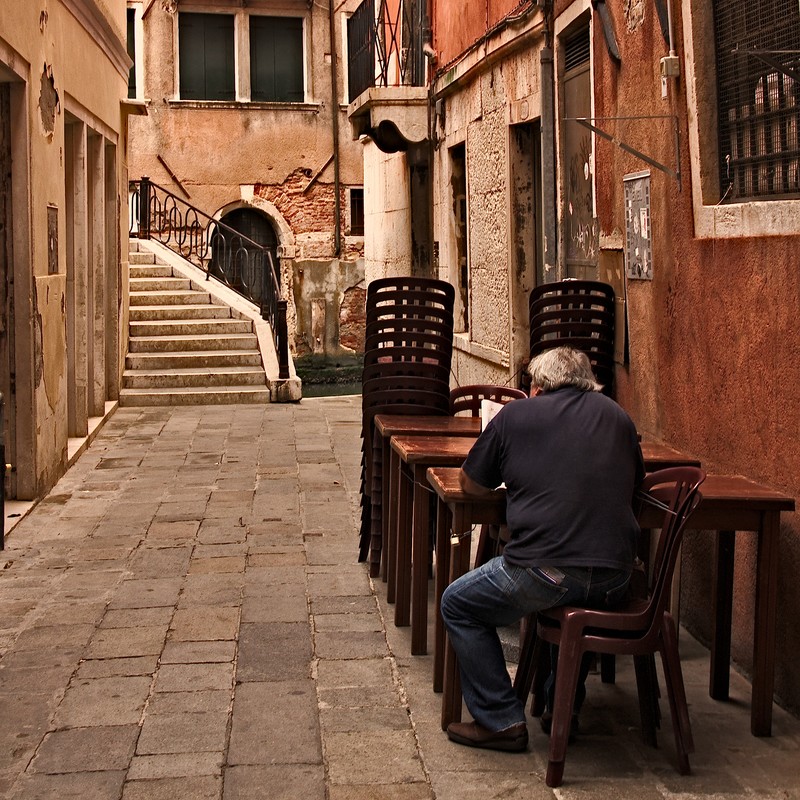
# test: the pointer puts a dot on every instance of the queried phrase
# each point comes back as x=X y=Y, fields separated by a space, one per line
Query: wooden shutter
x=206 y=56
x=276 y=59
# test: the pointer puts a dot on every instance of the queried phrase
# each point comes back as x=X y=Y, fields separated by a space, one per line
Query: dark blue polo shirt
x=571 y=462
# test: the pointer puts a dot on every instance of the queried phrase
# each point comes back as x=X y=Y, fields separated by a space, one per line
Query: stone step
x=184 y=377
x=200 y=311
x=151 y=271
x=141 y=257
x=194 y=396
x=190 y=327
x=196 y=359
x=160 y=285
x=169 y=298
x=225 y=341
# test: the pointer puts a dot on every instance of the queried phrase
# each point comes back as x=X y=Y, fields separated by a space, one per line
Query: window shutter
x=206 y=56
x=276 y=59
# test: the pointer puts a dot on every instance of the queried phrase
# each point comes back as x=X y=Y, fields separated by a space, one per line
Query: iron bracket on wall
x=588 y=122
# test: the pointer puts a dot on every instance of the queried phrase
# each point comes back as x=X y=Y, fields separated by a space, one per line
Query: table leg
x=402 y=604
x=386 y=508
x=459 y=564
x=393 y=522
x=419 y=562
x=722 y=612
x=443 y=522
x=764 y=633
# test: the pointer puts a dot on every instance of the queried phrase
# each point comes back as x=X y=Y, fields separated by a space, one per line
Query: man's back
x=570 y=460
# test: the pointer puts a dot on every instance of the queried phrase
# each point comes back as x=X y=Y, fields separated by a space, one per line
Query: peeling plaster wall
x=321 y=289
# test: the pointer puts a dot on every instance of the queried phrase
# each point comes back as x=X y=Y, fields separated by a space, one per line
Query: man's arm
x=469 y=485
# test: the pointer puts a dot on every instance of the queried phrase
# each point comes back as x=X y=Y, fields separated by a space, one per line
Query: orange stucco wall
x=454 y=31
x=714 y=337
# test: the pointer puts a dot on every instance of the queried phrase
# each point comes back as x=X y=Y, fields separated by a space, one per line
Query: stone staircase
x=184 y=348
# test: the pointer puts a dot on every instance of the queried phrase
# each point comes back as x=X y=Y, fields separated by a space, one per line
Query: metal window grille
x=758 y=85
x=356 y=212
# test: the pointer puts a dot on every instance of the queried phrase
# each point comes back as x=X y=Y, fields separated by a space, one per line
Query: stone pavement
x=184 y=617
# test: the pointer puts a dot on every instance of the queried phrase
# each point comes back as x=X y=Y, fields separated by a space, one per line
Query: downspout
x=428 y=54
x=549 y=171
x=337 y=209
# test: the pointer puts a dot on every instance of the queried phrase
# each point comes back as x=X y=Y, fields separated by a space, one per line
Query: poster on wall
x=638 y=252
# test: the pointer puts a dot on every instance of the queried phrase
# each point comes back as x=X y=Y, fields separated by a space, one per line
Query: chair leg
x=526 y=666
x=676 y=693
x=648 y=698
x=569 y=664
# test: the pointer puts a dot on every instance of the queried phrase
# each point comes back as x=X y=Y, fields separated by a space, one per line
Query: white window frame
x=753 y=218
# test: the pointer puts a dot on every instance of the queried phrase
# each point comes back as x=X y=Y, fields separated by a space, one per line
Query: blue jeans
x=498 y=594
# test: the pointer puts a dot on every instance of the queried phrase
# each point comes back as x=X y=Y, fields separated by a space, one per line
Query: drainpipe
x=427 y=53
x=337 y=208
x=549 y=172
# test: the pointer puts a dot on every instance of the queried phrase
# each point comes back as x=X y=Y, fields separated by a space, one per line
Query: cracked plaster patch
x=634 y=13
x=49 y=103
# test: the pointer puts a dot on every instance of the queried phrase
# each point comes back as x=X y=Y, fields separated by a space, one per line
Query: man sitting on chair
x=570 y=459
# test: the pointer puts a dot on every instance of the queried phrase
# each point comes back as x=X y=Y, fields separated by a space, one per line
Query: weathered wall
x=714 y=337
x=58 y=66
x=276 y=157
x=478 y=115
x=329 y=298
x=387 y=214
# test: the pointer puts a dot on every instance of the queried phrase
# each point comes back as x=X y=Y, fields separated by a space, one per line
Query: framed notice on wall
x=638 y=251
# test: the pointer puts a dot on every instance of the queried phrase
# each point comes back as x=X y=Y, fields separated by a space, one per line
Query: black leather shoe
x=546 y=723
x=511 y=740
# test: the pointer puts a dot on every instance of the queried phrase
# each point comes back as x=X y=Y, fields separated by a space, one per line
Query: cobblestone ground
x=184 y=617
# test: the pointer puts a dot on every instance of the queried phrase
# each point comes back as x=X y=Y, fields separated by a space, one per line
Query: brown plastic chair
x=639 y=628
x=468 y=398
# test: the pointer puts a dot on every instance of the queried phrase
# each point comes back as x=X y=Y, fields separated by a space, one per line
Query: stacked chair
x=407 y=357
x=578 y=313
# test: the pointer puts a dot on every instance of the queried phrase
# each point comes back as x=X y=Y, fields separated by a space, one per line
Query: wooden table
x=408 y=556
x=388 y=425
x=730 y=503
x=661 y=456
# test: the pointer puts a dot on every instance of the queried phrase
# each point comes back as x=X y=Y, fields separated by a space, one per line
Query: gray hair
x=562 y=366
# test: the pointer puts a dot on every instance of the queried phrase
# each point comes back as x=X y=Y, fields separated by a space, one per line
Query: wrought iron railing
x=384 y=45
x=219 y=250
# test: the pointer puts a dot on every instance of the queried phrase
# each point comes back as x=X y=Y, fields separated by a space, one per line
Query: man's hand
x=469 y=485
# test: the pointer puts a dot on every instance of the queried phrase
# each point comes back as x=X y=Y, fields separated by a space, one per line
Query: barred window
x=758 y=85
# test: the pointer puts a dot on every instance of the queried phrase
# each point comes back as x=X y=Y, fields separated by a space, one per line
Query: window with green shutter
x=206 y=46
x=276 y=59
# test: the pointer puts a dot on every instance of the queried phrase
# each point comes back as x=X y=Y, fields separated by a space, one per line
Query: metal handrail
x=385 y=48
x=220 y=251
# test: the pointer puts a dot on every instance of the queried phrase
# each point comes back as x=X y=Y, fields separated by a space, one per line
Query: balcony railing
x=384 y=43
x=214 y=247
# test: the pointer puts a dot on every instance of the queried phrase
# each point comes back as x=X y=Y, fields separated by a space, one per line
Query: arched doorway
x=246 y=269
